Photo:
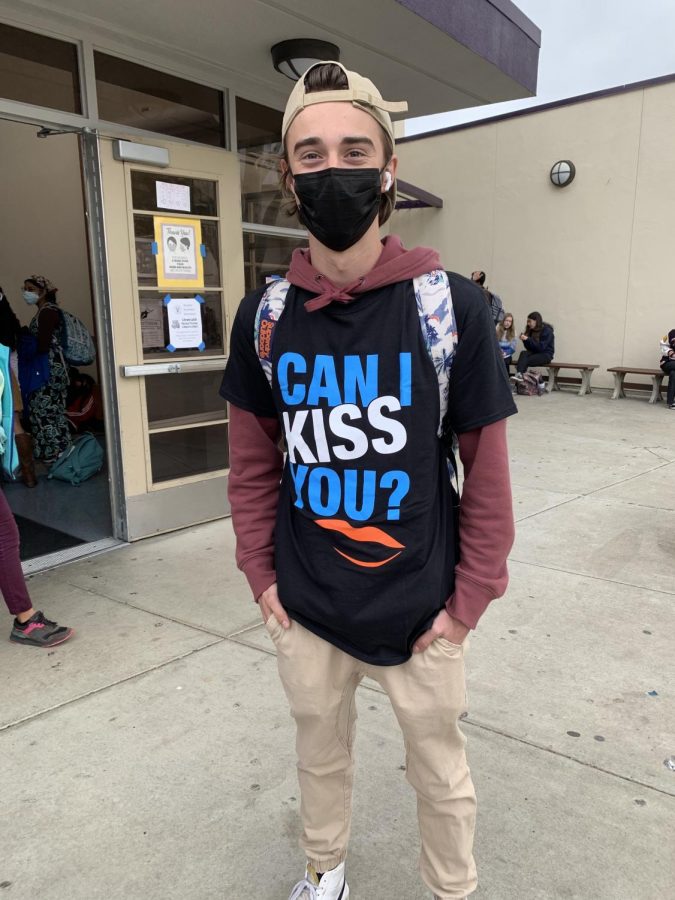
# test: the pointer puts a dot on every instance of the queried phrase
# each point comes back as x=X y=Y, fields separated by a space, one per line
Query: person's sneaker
x=518 y=376
x=39 y=632
x=331 y=886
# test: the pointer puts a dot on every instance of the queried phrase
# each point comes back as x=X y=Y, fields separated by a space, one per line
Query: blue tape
x=154 y=248
x=167 y=299
x=171 y=348
x=200 y=299
x=201 y=347
x=202 y=250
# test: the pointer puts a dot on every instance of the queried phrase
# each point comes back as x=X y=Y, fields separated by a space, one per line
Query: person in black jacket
x=539 y=344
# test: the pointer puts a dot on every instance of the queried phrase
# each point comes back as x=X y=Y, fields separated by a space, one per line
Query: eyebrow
x=350 y=141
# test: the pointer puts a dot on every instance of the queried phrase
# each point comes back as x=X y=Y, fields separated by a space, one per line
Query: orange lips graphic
x=367 y=534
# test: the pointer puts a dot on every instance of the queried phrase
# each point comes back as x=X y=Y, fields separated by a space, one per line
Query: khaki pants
x=428 y=695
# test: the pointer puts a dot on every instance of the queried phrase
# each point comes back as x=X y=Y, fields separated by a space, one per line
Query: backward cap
x=361 y=92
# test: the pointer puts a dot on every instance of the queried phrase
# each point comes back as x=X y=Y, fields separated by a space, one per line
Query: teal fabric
x=80 y=461
x=10 y=457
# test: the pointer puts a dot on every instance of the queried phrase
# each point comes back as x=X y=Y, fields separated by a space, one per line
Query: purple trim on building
x=494 y=29
x=420 y=198
x=542 y=107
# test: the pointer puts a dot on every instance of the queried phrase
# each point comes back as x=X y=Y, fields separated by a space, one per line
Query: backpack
x=494 y=301
x=83 y=400
x=532 y=385
x=439 y=332
x=78 y=462
x=77 y=345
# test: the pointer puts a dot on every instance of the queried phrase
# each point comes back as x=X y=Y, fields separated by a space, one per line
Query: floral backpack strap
x=439 y=332
x=439 y=329
x=268 y=314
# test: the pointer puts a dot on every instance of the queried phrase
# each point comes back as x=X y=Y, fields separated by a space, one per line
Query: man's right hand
x=270 y=605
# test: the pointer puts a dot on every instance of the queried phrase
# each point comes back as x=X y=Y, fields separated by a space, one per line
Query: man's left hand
x=444 y=626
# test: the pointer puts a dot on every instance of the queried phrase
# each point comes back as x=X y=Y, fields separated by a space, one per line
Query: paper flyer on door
x=185 y=323
x=179 y=252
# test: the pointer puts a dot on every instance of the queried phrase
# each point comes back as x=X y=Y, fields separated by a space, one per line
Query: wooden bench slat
x=628 y=371
x=557 y=365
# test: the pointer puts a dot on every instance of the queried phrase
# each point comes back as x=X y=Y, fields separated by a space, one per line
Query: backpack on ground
x=532 y=385
x=83 y=400
x=77 y=345
x=78 y=462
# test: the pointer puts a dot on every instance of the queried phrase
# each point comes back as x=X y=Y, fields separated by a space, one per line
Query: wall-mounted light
x=293 y=58
x=562 y=173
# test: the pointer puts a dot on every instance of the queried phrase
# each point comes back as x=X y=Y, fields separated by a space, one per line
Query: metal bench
x=585 y=369
x=620 y=373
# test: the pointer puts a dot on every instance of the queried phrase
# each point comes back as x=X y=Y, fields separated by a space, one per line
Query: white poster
x=152 y=323
x=185 y=323
x=173 y=196
x=180 y=251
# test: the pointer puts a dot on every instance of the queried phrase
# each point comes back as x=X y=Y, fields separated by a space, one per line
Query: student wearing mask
x=350 y=545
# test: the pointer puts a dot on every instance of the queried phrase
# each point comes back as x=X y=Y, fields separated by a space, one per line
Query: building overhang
x=435 y=54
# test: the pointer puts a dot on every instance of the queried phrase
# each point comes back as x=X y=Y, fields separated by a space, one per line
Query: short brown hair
x=331 y=78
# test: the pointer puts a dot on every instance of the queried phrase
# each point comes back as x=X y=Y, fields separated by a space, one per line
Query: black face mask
x=338 y=206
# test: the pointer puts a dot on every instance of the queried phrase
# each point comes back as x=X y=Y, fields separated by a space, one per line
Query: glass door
x=176 y=277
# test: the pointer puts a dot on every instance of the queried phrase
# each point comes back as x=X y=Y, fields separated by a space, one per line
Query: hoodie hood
x=395 y=264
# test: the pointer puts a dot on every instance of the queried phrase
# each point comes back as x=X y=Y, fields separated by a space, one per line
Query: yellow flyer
x=179 y=252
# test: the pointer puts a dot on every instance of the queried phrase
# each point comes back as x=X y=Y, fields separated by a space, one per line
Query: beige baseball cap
x=360 y=91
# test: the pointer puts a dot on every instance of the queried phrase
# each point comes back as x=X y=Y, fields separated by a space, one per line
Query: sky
x=586 y=45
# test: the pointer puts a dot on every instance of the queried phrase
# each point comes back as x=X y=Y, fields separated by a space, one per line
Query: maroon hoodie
x=256 y=462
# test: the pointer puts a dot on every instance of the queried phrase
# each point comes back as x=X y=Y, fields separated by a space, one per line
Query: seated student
x=506 y=337
x=668 y=365
x=539 y=345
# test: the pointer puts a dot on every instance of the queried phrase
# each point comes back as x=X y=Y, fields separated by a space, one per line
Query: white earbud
x=388 y=181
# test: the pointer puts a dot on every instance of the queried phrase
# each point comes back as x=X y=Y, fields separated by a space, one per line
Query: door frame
x=98 y=265
x=153 y=508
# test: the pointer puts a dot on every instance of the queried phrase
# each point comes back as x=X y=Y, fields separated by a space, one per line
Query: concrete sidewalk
x=152 y=756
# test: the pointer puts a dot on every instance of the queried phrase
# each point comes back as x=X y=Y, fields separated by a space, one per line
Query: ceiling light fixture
x=293 y=58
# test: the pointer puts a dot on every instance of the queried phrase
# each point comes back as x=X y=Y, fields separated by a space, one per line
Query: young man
x=350 y=546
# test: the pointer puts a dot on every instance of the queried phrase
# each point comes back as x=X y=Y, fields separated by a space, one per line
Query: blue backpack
x=80 y=461
x=77 y=344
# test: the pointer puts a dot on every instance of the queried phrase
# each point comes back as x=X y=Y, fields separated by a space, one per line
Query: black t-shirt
x=365 y=549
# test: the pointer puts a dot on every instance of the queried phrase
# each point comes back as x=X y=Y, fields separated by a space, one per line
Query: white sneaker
x=518 y=376
x=331 y=886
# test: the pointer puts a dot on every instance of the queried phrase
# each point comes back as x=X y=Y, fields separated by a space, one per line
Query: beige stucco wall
x=593 y=258
x=42 y=225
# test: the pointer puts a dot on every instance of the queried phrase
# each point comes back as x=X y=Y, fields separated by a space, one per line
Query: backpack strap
x=439 y=329
x=434 y=308
x=439 y=333
x=267 y=315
